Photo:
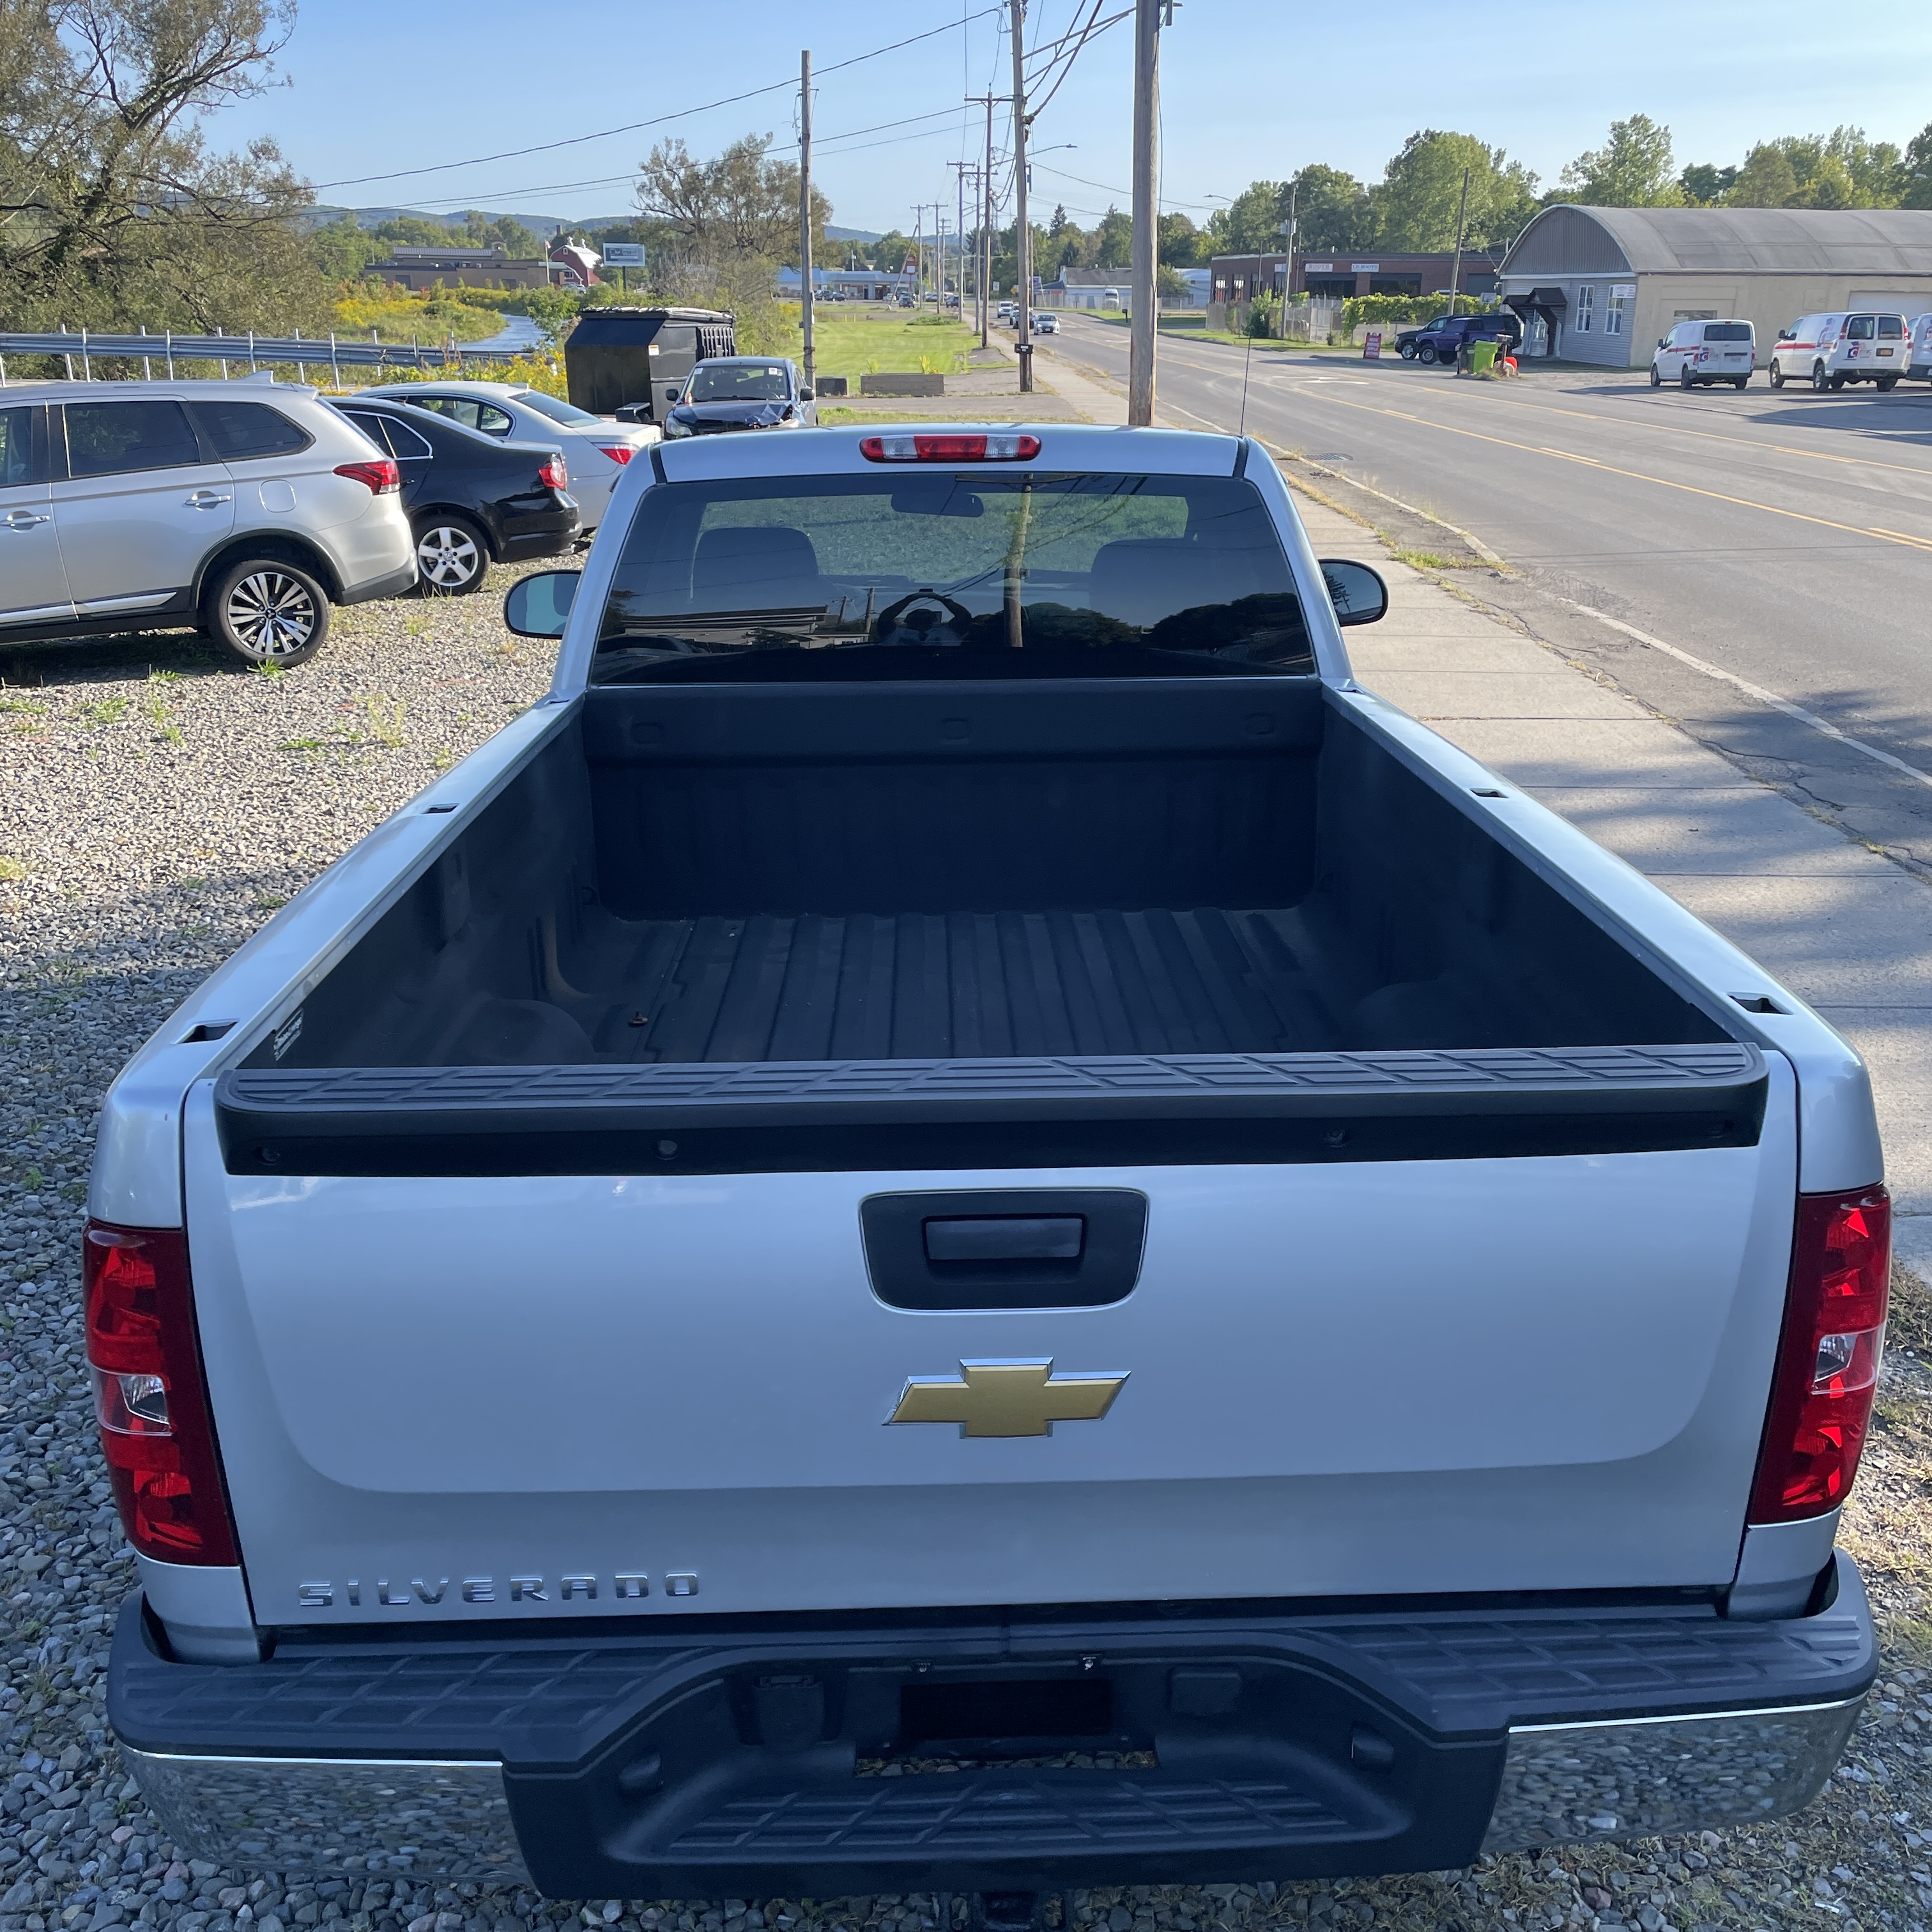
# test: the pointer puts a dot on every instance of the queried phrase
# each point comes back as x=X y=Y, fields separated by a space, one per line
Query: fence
x=301 y=350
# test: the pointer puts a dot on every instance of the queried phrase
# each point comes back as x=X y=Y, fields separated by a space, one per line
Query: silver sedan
x=594 y=449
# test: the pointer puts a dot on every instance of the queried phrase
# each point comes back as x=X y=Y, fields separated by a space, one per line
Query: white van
x=1697 y=354
x=1918 y=350
x=1830 y=350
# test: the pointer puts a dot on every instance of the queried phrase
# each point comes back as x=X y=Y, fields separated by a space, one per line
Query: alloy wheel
x=448 y=558
x=273 y=613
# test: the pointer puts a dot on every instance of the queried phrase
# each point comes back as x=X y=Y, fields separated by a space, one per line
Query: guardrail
x=81 y=347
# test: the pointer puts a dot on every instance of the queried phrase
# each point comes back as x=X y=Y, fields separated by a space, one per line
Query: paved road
x=1783 y=537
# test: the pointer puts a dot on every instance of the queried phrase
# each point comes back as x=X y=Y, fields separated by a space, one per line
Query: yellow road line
x=1639 y=476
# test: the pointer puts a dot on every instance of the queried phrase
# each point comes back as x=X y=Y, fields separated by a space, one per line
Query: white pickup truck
x=960 y=1157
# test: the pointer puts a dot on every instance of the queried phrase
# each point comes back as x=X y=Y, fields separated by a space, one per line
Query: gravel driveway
x=155 y=807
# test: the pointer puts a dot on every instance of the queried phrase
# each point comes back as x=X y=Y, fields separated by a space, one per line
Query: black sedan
x=471 y=500
x=729 y=392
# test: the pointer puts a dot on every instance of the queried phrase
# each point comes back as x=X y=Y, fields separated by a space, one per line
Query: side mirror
x=539 y=606
x=1661 y=344
x=805 y=395
x=1359 y=594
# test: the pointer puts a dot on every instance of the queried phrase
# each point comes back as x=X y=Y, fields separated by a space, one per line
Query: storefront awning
x=1542 y=298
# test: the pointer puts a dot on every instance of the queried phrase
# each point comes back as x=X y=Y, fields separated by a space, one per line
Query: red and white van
x=1830 y=350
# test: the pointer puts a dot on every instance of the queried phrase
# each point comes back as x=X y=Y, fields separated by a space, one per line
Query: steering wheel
x=891 y=618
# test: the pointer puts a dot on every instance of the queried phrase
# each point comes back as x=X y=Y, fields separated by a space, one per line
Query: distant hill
x=546 y=226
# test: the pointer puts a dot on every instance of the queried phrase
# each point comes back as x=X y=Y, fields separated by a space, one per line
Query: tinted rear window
x=239 y=430
x=1727 y=331
x=106 y=439
x=17 y=446
x=966 y=574
x=1890 y=326
x=1861 y=328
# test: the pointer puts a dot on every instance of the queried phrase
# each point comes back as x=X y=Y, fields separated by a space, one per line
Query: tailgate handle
x=1006 y=1238
x=995 y=1247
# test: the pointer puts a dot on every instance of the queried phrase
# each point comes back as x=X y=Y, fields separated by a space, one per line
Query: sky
x=1247 y=91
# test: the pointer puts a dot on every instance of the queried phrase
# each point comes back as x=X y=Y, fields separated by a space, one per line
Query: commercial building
x=1602 y=284
x=422 y=269
x=1335 y=277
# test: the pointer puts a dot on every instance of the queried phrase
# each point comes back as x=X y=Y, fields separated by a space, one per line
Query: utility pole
x=1143 y=324
x=983 y=266
x=961 y=169
x=1456 y=273
x=1022 y=229
x=918 y=251
x=1288 y=273
x=805 y=206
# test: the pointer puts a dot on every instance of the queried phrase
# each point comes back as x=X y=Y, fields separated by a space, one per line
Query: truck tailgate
x=444 y=1396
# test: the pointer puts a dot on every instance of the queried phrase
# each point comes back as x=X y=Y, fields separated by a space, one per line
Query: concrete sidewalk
x=1845 y=929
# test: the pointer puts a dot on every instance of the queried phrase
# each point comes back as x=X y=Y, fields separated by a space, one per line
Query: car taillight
x=1827 y=1356
x=149 y=1396
x=949 y=448
x=553 y=476
x=383 y=475
x=618 y=452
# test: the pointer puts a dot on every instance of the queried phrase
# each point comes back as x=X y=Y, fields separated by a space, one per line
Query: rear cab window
x=1891 y=328
x=1861 y=328
x=942 y=574
x=1727 y=331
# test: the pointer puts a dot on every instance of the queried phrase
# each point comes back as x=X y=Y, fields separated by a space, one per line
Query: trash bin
x=1482 y=357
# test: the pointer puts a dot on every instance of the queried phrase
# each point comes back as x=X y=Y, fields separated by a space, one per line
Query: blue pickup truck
x=1441 y=340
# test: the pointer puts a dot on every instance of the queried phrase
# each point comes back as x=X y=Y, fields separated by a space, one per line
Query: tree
x=1705 y=185
x=1766 y=180
x=742 y=206
x=1332 y=212
x=1633 y=169
x=506 y=232
x=1113 y=240
x=112 y=209
x=1180 y=245
x=1416 y=200
x=1915 y=171
x=1251 y=224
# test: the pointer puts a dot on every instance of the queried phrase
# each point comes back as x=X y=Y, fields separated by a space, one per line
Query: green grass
x=892 y=343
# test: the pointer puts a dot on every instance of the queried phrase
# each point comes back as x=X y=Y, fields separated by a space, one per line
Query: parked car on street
x=734 y=392
x=247 y=507
x=471 y=500
x=594 y=452
x=1831 y=349
x=962 y=1149
x=1695 y=355
x=1442 y=340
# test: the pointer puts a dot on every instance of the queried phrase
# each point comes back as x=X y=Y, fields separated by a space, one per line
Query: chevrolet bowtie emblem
x=1007 y=1398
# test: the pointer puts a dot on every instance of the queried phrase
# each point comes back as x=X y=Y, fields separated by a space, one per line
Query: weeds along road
x=1781 y=537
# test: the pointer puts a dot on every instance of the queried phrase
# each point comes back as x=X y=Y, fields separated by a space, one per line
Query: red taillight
x=149 y=1400
x=553 y=476
x=949 y=448
x=1821 y=1395
x=618 y=452
x=383 y=475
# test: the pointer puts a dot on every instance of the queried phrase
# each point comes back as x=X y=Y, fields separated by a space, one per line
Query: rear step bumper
x=702 y=1759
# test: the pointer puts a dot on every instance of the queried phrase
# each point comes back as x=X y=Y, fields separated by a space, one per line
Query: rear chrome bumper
x=681 y=1760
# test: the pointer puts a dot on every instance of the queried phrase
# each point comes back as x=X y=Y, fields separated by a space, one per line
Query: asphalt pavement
x=1757 y=550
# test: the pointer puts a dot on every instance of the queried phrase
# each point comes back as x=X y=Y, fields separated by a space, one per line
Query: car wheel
x=1427 y=353
x=1820 y=381
x=265 y=611
x=1407 y=352
x=1777 y=376
x=1683 y=381
x=1656 y=380
x=1838 y=383
x=1886 y=384
x=452 y=555
x=1741 y=384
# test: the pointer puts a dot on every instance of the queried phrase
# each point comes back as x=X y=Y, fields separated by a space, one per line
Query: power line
x=657 y=121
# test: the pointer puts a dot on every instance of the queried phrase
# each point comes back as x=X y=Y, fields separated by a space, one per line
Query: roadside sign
x=624 y=254
x=1371 y=346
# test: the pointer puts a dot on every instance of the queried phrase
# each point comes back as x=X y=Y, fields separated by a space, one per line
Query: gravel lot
x=155 y=807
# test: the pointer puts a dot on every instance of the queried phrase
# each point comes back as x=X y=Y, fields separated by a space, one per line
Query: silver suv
x=248 y=507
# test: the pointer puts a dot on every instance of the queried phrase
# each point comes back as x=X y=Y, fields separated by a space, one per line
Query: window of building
x=1586 y=309
x=1613 y=311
